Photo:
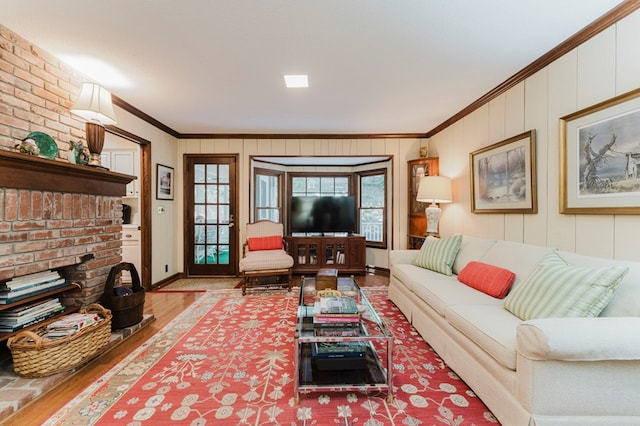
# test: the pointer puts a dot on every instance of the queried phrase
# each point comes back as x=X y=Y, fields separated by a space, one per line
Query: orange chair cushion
x=488 y=279
x=273 y=242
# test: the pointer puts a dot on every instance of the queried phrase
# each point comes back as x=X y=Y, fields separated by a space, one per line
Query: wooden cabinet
x=417 y=220
x=346 y=254
x=131 y=250
x=126 y=162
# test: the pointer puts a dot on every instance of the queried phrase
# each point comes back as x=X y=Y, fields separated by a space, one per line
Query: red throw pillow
x=489 y=279
x=273 y=242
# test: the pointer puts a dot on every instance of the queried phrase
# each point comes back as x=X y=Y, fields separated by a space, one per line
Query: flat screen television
x=322 y=215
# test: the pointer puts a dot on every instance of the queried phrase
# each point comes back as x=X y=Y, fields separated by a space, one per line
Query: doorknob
x=231 y=221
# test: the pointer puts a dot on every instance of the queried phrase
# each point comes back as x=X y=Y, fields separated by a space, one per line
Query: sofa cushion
x=265 y=259
x=487 y=278
x=492 y=328
x=519 y=258
x=438 y=255
x=272 y=242
x=441 y=292
x=471 y=248
x=556 y=289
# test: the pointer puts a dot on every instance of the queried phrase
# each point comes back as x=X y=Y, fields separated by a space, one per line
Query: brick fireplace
x=57 y=215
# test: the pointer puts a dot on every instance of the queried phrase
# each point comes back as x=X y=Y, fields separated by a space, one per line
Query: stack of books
x=17 y=318
x=71 y=324
x=336 y=311
x=30 y=285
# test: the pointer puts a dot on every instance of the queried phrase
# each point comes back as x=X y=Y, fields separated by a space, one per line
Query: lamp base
x=433 y=217
x=95 y=160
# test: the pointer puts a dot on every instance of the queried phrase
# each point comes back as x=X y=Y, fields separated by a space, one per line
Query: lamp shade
x=434 y=189
x=94 y=104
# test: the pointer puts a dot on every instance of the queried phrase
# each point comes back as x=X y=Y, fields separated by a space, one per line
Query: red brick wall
x=46 y=230
x=36 y=93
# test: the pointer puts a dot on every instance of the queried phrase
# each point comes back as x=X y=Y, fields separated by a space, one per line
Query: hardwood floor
x=164 y=306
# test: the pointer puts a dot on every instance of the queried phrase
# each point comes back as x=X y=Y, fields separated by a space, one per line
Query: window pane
x=266 y=191
x=313 y=186
x=371 y=222
x=342 y=185
x=373 y=193
x=327 y=185
x=299 y=185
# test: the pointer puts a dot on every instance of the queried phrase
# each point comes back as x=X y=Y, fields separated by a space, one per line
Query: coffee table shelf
x=370 y=373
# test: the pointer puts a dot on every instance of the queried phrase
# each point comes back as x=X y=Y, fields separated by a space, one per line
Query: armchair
x=265 y=261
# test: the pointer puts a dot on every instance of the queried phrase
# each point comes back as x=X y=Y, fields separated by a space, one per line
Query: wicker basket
x=37 y=356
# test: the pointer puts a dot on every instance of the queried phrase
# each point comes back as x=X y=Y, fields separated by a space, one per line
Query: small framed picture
x=164 y=182
x=503 y=176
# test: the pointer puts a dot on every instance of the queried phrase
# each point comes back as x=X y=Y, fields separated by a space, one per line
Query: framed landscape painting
x=503 y=176
x=600 y=158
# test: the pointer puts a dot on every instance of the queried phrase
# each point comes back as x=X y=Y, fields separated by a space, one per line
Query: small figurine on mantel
x=78 y=153
x=28 y=146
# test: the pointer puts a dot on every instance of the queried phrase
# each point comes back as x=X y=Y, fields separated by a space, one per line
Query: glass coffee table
x=364 y=358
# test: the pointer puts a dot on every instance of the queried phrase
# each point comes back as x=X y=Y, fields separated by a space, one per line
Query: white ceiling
x=375 y=66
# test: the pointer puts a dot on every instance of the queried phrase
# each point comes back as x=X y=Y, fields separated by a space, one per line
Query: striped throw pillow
x=438 y=255
x=555 y=289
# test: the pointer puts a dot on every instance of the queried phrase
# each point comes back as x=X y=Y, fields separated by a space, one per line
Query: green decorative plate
x=48 y=147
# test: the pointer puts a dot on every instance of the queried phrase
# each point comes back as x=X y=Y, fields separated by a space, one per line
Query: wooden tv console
x=311 y=253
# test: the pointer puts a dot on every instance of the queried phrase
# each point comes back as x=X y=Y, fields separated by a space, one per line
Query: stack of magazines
x=30 y=285
x=17 y=318
x=336 y=311
x=70 y=324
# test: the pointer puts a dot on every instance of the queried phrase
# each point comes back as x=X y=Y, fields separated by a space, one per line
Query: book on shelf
x=29 y=310
x=30 y=280
x=17 y=295
x=9 y=328
x=339 y=349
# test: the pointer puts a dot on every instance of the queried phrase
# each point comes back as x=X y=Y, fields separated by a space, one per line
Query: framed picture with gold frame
x=503 y=176
x=600 y=158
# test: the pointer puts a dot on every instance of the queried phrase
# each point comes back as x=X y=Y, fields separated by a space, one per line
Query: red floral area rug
x=228 y=360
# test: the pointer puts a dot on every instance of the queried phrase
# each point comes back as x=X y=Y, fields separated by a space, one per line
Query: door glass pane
x=212 y=173
x=199 y=234
x=199 y=254
x=212 y=214
x=224 y=173
x=224 y=214
x=223 y=258
x=198 y=193
x=212 y=254
x=212 y=234
x=198 y=172
x=212 y=194
x=224 y=234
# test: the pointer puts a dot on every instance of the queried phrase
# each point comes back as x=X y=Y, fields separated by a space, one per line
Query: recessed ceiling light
x=298 y=80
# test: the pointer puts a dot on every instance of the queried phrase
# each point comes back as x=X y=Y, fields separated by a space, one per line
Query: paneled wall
x=603 y=67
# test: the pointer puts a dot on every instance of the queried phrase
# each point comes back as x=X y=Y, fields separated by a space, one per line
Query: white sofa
x=552 y=371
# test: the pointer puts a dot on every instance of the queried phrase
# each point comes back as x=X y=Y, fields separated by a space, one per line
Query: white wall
x=601 y=68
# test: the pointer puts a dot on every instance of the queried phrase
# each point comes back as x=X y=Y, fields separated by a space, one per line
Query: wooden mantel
x=24 y=171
